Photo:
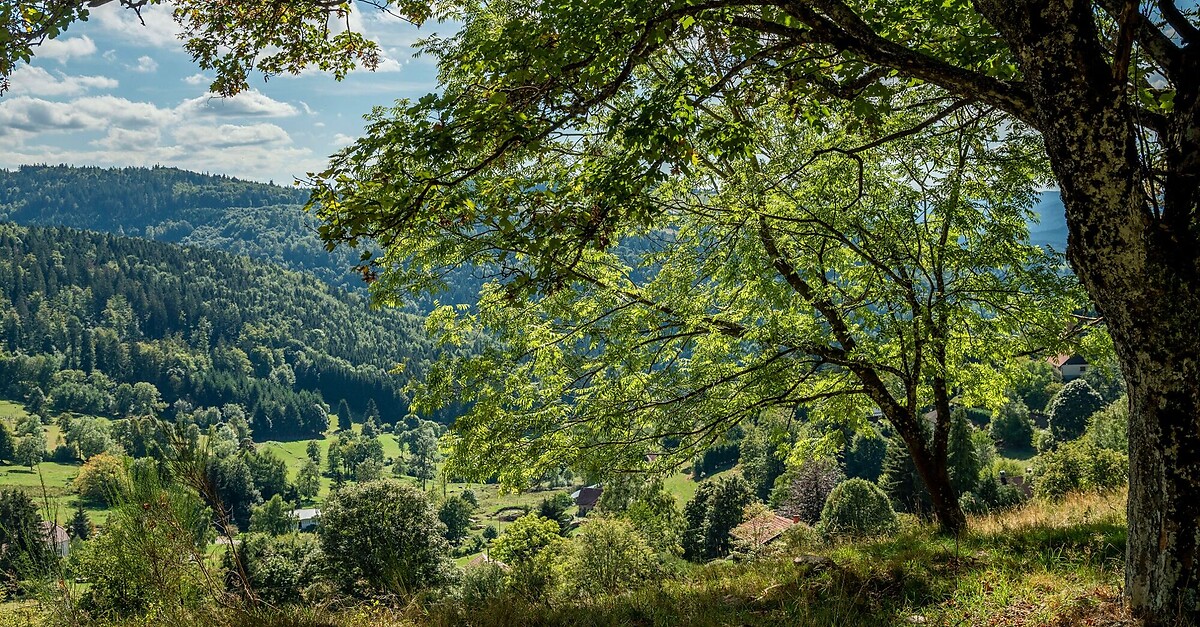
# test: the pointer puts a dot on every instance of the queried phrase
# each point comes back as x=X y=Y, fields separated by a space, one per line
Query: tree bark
x=936 y=478
x=1139 y=264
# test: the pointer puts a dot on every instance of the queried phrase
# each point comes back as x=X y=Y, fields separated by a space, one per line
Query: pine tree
x=80 y=526
x=961 y=459
x=8 y=445
x=372 y=411
x=899 y=479
x=343 y=415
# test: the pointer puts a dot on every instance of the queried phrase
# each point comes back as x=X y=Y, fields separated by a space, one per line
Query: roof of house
x=587 y=497
x=762 y=528
x=54 y=532
x=482 y=559
x=1058 y=361
x=307 y=513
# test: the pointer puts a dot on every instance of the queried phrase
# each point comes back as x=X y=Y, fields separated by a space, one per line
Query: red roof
x=762 y=529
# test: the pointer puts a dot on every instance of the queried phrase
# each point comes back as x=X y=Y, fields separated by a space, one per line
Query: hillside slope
x=203 y=326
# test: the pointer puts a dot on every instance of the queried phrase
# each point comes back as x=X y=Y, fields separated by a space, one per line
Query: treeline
x=203 y=327
x=258 y=220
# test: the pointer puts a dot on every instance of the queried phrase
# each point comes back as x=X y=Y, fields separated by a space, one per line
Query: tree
x=961 y=456
x=102 y=480
x=761 y=461
x=343 y=415
x=386 y=534
x=7 y=443
x=423 y=446
x=1035 y=383
x=308 y=480
x=80 y=526
x=647 y=504
x=1070 y=409
x=711 y=514
x=26 y=553
x=555 y=508
x=1110 y=134
x=31 y=449
x=371 y=412
x=524 y=539
x=455 y=513
x=900 y=482
x=802 y=490
x=273 y=517
x=267 y=471
x=1011 y=426
x=864 y=456
x=89 y=436
x=313 y=450
x=370 y=429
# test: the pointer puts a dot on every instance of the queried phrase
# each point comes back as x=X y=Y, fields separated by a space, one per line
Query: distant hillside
x=203 y=326
x=167 y=204
x=1051 y=230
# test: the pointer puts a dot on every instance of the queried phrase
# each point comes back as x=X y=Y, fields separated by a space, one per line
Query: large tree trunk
x=936 y=478
x=1139 y=264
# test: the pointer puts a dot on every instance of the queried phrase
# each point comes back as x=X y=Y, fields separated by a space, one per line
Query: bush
x=534 y=551
x=857 y=508
x=1070 y=409
x=483 y=583
x=386 y=535
x=609 y=556
x=1077 y=466
x=1109 y=427
x=279 y=569
x=1011 y=426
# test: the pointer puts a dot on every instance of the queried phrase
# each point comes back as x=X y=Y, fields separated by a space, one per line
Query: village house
x=307 y=518
x=761 y=530
x=587 y=497
x=56 y=537
x=1069 y=366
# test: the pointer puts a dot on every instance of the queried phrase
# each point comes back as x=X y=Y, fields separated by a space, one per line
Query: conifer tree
x=961 y=459
x=899 y=480
x=343 y=415
x=80 y=526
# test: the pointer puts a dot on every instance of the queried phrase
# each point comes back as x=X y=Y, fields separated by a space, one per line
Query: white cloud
x=231 y=135
x=145 y=65
x=341 y=139
x=67 y=48
x=251 y=103
x=34 y=81
x=36 y=115
x=159 y=30
x=198 y=79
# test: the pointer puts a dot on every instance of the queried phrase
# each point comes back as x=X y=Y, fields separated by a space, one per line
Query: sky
x=114 y=92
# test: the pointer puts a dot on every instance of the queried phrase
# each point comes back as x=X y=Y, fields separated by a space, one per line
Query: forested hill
x=167 y=204
x=205 y=327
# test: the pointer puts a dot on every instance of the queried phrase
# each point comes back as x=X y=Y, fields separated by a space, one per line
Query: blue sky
x=112 y=92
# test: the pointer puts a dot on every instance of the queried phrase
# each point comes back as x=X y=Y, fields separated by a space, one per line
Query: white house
x=1069 y=366
x=307 y=517
x=56 y=537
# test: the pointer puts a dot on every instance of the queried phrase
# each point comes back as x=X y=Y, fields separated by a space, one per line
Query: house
x=762 y=529
x=56 y=537
x=307 y=517
x=1069 y=366
x=483 y=558
x=587 y=497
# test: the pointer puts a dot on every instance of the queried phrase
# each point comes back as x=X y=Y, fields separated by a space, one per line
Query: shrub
x=609 y=556
x=483 y=583
x=1070 y=409
x=1109 y=427
x=1076 y=466
x=857 y=508
x=386 y=535
x=278 y=569
x=1011 y=426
